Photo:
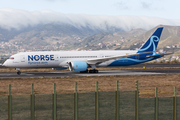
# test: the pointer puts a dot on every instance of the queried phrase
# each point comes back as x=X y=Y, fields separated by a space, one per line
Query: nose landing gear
x=18 y=71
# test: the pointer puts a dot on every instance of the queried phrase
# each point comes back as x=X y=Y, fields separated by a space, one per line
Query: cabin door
x=56 y=58
x=22 y=58
x=101 y=55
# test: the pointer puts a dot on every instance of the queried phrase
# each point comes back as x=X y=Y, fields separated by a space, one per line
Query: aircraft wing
x=161 y=54
x=100 y=60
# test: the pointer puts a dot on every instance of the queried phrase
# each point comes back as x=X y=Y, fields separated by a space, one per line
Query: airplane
x=80 y=61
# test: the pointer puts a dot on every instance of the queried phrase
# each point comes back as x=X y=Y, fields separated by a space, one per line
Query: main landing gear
x=84 y=71
x=18 y=71
x=93 y=71
x=90 y=71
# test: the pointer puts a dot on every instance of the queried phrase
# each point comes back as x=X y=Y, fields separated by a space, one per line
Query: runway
x=101 y=73
x=166 y=70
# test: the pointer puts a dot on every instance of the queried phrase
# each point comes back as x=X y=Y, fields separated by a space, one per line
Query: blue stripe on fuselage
x=132 y=60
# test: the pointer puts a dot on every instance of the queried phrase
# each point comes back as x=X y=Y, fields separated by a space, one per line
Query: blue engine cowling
x=78 y=66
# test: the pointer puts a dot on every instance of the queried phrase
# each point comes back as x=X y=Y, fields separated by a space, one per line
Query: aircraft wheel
x=84 y=71
x=93 y=71
x=19 y=73
x=96 y=71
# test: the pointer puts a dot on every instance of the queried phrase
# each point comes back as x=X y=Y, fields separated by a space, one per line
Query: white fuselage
x=59 y=59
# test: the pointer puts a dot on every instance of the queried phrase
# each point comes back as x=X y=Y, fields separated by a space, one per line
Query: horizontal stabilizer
x=161 y=54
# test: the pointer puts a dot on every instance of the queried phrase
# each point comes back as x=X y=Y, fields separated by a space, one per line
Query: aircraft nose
x=5 y=63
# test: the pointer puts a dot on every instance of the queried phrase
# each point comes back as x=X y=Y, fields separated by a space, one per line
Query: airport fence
x=111 y=105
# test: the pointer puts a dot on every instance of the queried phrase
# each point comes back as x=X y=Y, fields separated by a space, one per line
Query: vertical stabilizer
x=152 y=42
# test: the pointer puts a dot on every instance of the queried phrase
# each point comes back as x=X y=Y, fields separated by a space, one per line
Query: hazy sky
x=153 y=8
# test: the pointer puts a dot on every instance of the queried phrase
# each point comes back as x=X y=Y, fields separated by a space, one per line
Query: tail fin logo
x=154 y=38
x=152 y=44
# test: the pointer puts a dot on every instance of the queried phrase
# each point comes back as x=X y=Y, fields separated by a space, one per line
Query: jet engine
x=77 y=66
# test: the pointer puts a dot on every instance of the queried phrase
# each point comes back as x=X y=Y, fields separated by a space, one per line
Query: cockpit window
x=12 y=58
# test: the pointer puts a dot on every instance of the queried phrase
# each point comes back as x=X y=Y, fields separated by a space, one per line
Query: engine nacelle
x=77 y=66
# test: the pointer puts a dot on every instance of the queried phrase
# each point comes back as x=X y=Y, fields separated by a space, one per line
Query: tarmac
x=101 y=73
x=167 y=70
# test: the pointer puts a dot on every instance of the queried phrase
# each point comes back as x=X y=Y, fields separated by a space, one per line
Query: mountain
x=170 y=36
x=84 y=38
x=120 y=38
x=48 y=27
x=6 y=35
x=133 y=39
x=52 y=34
